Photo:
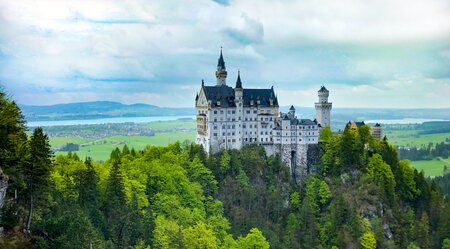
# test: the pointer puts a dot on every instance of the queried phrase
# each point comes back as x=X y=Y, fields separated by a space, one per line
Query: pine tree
x=115 y=205
x=37 y=170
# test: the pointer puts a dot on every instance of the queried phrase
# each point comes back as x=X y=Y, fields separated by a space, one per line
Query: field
x=431 y=168
x=164 y=125
x=411 y=138
x=101 y=149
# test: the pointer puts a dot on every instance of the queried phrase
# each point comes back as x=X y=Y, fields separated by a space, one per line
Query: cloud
x=223 y=2
x=248 y=31
x=369 y=53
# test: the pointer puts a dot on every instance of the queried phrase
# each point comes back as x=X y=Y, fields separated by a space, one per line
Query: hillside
x=98 y=109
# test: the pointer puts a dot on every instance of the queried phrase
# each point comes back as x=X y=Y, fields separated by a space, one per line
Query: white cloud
x=138 y=50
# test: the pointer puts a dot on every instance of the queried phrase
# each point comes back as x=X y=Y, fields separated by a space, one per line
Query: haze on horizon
x=391 y=54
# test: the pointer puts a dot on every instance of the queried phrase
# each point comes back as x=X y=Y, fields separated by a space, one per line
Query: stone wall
x=307 y=156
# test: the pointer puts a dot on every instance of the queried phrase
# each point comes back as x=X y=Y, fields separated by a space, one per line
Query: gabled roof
x=296 y=121
x=262 y=95
x=226 y=96
x=223 y=94
x=292 y=108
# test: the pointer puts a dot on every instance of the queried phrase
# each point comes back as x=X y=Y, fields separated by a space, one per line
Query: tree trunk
x=30 y=212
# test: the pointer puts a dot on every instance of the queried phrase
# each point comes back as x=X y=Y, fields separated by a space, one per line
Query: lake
x=106 y=121
x=403 y=121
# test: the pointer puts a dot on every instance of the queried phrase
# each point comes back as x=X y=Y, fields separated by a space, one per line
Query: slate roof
x=238 y=81
x=222 y=94
x=226 y=95
x=323 y=89
x=292 y=108
x=297 y=121
x=221 y=62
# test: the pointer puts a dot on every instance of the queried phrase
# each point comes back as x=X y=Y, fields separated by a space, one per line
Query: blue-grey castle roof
x=226 y=96
x=238 y=81
x=323 y=89
x=221 y=62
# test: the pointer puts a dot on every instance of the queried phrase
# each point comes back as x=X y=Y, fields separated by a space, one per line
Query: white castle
x=230 y=118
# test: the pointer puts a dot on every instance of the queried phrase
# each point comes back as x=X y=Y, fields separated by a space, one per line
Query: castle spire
x=221 y=73
x=238 y=81
x=221 y=62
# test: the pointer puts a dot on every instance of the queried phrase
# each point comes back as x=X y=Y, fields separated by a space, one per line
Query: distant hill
x=110 y=109
x=99 y=109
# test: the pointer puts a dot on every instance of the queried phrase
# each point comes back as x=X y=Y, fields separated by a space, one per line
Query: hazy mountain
x=106 y=109
x=99 y=109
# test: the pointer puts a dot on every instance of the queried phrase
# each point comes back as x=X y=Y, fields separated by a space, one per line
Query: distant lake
x=404 y=121
x=106 y=121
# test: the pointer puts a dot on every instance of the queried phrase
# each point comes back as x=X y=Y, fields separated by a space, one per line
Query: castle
x=230 y=118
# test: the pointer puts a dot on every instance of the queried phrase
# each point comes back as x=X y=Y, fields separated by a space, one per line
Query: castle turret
x=376 y=131
x=221 y=73
x=291 y=113
x=323 y=107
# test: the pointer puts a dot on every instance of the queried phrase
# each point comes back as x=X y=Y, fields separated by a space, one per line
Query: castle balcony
x=201 y=124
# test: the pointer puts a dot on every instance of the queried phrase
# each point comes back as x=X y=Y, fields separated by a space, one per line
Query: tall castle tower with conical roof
x=323 y=108
x=221 y=73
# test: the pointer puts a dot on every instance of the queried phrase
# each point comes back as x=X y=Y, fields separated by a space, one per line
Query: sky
x=376 y=54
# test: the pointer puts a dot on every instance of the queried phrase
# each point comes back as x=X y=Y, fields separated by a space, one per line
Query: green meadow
x=100 y=149
x=433 y=167
x=412 y=138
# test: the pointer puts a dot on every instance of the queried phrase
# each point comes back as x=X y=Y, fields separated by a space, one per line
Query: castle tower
x=221 y=73
x=376 y=131
x=239 y=101
x=291 y=112
x=323 y=107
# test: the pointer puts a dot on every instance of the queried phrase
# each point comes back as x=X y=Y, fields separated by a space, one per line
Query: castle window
x=215 y=127
x=234 y=140
x=215 y=134
x=215 y=120
x=233 y=112
x=215 y=112
x=254 y=111
x=223 y=134
x=221 y=111
x=248 y=111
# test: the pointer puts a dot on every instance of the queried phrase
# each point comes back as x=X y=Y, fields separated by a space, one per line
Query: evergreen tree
x=37 y=170
x=115 y=206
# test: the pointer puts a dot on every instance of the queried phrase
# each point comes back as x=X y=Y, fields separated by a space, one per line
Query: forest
x=360 y=196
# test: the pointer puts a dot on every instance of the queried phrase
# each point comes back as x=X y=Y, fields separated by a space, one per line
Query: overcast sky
x=382 y=53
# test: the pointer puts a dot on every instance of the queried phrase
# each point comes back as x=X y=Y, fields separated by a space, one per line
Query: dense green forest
x=176 y=196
